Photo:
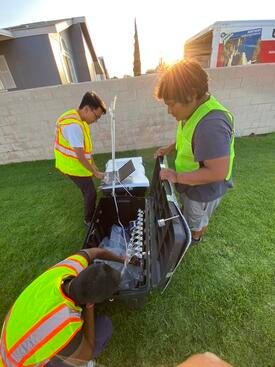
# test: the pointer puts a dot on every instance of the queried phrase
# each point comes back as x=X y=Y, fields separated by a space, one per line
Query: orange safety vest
x=43 y=320
x=65 y=156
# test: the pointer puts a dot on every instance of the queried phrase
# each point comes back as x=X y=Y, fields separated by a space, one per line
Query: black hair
x=182 y=81
x=92 y=100
x=94 y=284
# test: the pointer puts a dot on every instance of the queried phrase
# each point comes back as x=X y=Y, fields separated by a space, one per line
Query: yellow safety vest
x=185 y=160
x=43 y=320
x=65 y=156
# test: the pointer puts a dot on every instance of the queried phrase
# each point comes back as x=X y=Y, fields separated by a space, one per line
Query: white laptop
x=121 y=174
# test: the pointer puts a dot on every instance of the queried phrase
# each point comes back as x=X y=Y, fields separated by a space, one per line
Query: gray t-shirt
x=211 y=139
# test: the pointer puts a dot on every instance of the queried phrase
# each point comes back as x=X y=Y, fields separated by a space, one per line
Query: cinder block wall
x=27 y=118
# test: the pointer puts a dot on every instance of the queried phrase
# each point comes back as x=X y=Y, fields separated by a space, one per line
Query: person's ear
x=86 y=109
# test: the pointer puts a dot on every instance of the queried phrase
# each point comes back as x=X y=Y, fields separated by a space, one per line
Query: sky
x=163 y=25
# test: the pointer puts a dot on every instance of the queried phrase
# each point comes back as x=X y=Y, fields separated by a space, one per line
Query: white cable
x=113 y=131
x=123 y=229
x=113 y=136
x=123 y=186
x=124 y=236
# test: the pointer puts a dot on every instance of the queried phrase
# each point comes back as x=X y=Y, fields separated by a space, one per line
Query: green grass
x=219 y=300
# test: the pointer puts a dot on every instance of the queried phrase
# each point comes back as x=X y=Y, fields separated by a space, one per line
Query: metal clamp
x=161 y=222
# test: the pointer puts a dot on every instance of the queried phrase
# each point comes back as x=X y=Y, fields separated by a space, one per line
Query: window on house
x=63 y=59
x=6 y=79
x=67 y=60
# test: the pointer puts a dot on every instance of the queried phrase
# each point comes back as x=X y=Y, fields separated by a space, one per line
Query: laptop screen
x=126 y=170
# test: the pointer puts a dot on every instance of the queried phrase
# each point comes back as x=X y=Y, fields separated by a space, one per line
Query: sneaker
x=91 y=363
x=196 y=241
x=87 y=223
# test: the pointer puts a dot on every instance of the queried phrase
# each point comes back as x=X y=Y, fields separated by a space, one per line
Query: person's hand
x=161 y=152
x=204 y=360
x=134 y=261
x=168 y=174
x=99 y=175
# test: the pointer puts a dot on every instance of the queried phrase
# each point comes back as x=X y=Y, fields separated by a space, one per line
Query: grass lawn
x=219 y=300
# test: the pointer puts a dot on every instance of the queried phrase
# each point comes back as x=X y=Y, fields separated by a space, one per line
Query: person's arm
x=204 y=360
x=93 y=164
x=103 y=254
x=84 y=161
x=74 y=135
x=214 y=170
x=165 y=150
x=88 y=329
x=85 y=351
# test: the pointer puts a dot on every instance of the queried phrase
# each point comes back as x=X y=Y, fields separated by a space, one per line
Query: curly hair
x=182 y=82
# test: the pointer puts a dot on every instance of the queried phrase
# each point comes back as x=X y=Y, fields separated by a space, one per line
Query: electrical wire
x=126 y=260
x=112 y=113
x=124 y=187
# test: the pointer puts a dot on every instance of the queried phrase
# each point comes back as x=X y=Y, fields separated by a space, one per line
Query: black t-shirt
x=211 y=140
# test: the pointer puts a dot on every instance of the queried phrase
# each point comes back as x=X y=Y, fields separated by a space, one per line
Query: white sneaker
x=91 y=363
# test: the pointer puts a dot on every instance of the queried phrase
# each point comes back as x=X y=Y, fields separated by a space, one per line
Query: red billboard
x=267 y=51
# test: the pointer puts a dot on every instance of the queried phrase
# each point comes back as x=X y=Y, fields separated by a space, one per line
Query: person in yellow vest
x=73 y=148
x=52 y=322
x=204 y=143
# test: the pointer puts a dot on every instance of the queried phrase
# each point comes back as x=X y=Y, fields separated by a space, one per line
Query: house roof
x=52 y=26
x=5 y=35
x=37 y=24
x=232 y=23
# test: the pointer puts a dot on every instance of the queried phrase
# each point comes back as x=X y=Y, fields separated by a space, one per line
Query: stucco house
x=48 y=53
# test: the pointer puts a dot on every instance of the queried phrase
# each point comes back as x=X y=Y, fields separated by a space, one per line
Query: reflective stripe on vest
x=69 y=152
x=1 y=361
x=65 y=155
x=71 y=264
x=185 y=160
x=39 y=334
x=7 y=361
x=52 y=320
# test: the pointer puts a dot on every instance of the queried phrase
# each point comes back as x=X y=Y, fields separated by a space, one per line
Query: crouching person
x=52 y=322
